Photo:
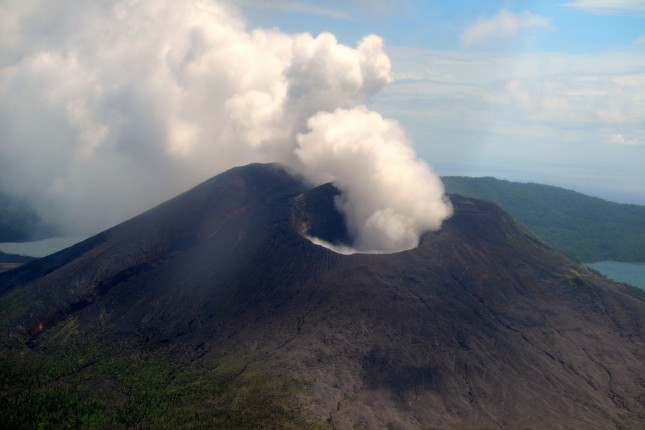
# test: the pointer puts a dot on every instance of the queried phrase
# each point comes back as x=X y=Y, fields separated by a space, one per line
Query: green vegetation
x=586 y=228
x=73 y=387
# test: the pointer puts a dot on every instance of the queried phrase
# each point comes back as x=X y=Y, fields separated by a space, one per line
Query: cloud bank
x=110 y=107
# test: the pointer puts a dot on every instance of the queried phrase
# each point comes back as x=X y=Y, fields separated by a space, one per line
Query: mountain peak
x=482 y=324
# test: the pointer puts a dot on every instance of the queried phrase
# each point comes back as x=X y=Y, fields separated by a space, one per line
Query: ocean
x=629 y=273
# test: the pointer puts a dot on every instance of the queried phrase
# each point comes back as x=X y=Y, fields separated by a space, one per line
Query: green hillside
x=586 y=228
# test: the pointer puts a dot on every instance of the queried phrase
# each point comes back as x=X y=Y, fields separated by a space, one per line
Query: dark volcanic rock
x=316 y=215
x=482 y=324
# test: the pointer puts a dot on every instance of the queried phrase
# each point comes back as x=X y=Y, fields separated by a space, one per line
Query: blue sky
x=438 y=24
x=550 y=92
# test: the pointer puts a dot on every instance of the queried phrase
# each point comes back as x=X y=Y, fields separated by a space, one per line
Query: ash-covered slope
x=481 y=325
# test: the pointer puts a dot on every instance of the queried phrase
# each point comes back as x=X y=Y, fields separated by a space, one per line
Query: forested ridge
x=586 y=228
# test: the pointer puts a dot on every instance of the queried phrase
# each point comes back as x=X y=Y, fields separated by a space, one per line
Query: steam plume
x=389 y=197
x=110 y=107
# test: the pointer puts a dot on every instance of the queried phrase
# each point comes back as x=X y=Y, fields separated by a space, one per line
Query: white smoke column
x=389 y=197
x=107 y=108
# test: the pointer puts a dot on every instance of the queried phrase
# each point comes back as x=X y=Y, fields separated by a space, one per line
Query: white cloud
x=575 y=100
x=619 y=139
x=504 y=25
x=563 y=90
x=609 y=7
x=531 y=116
x=639 y=41
x=103 y=114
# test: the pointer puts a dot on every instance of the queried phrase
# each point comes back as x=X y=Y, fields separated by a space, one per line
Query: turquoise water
x=629 y=273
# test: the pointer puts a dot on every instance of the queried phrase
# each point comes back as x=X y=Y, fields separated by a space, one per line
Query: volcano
x=213 y=310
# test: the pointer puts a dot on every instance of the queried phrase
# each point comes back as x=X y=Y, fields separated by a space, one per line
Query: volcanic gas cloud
x=110 y=107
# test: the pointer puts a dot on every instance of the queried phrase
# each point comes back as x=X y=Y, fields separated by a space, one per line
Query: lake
x=40 y=248
x=629 y=273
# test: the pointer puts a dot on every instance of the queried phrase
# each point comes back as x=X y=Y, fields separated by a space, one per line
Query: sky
x=108 y=108
x=542 y=91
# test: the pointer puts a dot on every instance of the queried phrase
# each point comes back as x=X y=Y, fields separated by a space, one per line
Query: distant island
x=586 y=228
